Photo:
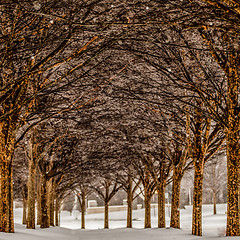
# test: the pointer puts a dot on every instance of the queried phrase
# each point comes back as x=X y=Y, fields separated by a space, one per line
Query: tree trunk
x=83 y=209
x=175 y=203
x=129 y=206
x=24 y=217
x=232 y=136
x=6 y=184
x=10 y=197
x=31 y=194
x=233 y=183
x=57 y=212
x=147 y=202
x=106 y=208
x=197 y=200
x=45 y=223
x=231 y=69
x=161 y=205
x=214 y=203
x=51 y=202
x=198 y=160
x=39 y=218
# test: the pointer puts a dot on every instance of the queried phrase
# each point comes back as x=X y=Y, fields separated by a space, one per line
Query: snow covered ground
x=213 y=227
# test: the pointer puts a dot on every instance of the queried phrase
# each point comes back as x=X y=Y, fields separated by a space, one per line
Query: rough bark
x=233 y=148
x=161 y=205
x=10 y=197
x=83 y=209
x=31 y=194
x=233 y=190
x=175 y=203
x=198 y=160
x=6 y=184
x=129 y=204
x=230 y=65
x=51 y=202
x=147 y=202
x=39 y=218
x=57 y=207
x=45 y=223
x=197 y=200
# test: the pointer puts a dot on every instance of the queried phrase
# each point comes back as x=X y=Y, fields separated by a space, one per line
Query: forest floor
x=213 y=227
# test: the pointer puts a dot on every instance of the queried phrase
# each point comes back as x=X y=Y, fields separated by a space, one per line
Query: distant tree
x=215 y=179
x=106 y=188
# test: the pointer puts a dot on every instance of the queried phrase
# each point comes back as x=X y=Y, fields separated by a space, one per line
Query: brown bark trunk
x=39 y=218
x=51 y=202
x=175 y=203
x=161 y=205
x=31 y=194
x=129 y=205
x=233 y=184
x=198 y=160
x=214 y=204
x=106 y=208
x=4 y=227
x=231 y=69
x=232 y=136
x=6 y=223
x=197 y=201
x=57 y=212
x=83 y=209
x=45 y=223
x=147 y=202
x=10 y=197
x=24 y=217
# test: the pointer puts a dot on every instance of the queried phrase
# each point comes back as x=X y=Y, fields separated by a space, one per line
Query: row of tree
x=91 y=84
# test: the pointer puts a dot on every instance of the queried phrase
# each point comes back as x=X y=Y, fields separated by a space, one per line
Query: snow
x=213 y=227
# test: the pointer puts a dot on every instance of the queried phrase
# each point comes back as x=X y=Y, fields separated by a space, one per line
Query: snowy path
x=213 y=227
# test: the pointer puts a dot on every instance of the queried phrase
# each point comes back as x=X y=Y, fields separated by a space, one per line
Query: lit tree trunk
x=147 y=202
x=31 y=194
x=161 y=204
x=233 y=152
x=198 y=160
x=45 y=223
x=129 y=203
x=179 y=161
x=6 y=184
x=230 y=66
x=197 y=199
x=233 y=186
x=175 y=203
x=106 y=208
x=0 y=200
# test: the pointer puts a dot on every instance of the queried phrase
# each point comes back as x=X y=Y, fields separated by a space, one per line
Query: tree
x=215 y=179
x=130 y=184
x=40 y=53
x=106 y=190
x=180 y=156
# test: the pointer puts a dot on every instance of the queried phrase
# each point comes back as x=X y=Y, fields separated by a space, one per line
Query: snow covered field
x=213 y=227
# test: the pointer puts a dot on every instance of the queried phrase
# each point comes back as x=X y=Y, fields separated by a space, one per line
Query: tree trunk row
x=45 y=202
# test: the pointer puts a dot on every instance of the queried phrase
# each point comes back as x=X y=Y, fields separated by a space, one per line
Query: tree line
x=87 y=86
